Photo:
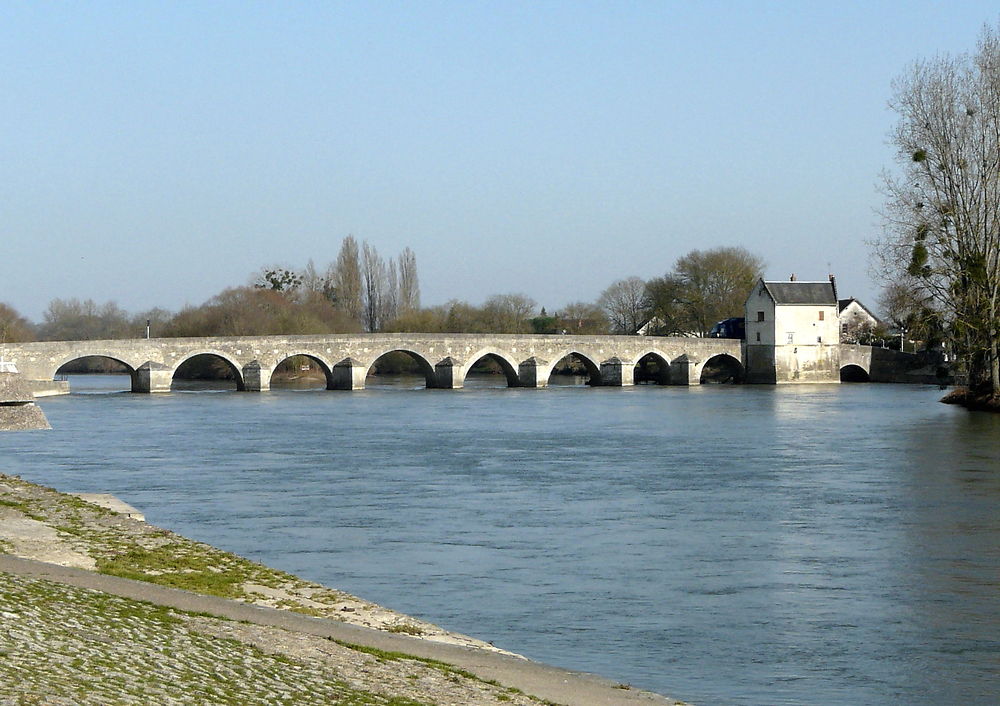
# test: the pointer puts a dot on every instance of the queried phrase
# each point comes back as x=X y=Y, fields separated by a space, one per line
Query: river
x=824 y=544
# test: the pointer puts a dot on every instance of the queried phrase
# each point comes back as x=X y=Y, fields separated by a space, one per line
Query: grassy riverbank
x=41 y=523
x=68 y=645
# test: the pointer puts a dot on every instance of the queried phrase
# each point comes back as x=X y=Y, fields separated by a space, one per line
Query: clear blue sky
x=155 y=153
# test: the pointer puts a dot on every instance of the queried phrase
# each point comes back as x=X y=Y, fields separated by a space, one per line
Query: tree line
x=362 y=291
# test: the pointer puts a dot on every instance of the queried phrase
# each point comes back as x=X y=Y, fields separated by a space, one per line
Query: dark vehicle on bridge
x=730 y=328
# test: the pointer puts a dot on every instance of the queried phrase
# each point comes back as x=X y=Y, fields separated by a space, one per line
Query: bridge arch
x=507 y=365
x=721 y=368
x=313 y=358
x=854 y=373
x=653 y=367
x=425 y=367
x=592 y=368
x=232 y=366
x=105 y=356
x=92 y=359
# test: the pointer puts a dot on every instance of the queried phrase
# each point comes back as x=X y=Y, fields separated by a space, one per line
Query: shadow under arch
x=577 y=365
x=396 y=364
x=508 y=368
x=854 y=373
x=651 y=368
x=291 y=372
x=97 y=364
x=207 y=369
x=722 y=369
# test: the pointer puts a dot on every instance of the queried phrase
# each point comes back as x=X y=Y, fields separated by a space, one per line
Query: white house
x=856 y=321
x=793 y=332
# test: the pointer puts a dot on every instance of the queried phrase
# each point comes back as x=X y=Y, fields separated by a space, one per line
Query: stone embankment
x=247 y=633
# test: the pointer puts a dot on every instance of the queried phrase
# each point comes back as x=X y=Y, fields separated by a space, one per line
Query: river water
x=825 y=544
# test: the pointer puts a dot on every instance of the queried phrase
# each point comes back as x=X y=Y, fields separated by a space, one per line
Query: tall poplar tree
x=409 y=284
x=345 y=274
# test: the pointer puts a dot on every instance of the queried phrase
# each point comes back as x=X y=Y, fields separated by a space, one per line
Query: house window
x=760 y=316
x=843 y=329
x=819 y=339
x=758 y=337
x=821 y=315
x=791 y=337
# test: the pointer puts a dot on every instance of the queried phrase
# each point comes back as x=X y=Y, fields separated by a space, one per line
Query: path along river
x=725 y=544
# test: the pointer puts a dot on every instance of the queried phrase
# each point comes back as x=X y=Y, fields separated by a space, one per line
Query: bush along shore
x=63 y=644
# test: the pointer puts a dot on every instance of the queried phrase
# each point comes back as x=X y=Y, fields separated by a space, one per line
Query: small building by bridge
x=792 y=332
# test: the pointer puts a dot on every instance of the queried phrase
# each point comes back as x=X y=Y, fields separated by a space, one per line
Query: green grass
x=406 y=629
x=171 y=566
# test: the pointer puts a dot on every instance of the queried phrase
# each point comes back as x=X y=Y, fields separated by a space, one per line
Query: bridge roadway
x=345 y=359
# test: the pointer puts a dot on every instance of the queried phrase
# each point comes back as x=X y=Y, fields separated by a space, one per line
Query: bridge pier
x=348 y=374
x=256 y=377
x=527 y=373
x=617 y=373
x=152 y=377
x=684 y=371
x=448 y=374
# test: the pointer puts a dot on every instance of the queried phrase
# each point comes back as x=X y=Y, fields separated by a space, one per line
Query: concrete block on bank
x=18 y=411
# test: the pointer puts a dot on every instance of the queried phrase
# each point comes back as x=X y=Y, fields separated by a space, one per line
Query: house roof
x=797 y=292
x=844 y=303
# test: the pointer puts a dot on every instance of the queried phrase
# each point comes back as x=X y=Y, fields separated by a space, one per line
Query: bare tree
x=714 y=284
x=345 y=276
x=75 y=320
x=390 y=293
x=583 y=318
x=905 y=304
x=508 y=313
x=666 y=299
x=13 y=326
x=409 y=284
x=372 y=287
x=625 y=304
x=942 y=217
x=379 y=289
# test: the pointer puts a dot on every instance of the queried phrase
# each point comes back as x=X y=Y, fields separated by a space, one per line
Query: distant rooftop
x=802 y=292
x=844 y=303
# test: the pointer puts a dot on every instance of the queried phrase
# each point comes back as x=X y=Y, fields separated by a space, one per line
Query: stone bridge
x=346 y=359
x=875 y=364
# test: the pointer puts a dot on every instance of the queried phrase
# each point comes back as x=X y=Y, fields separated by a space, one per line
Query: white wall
x=803 y=322
x=759 y=300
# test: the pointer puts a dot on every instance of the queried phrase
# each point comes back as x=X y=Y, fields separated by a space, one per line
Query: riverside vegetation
x=69 y=645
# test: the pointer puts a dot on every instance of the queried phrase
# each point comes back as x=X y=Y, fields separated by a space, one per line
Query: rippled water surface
x=723 y=545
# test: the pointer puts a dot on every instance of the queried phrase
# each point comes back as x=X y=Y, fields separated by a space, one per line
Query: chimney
x=793 y=278
x=833 y=283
